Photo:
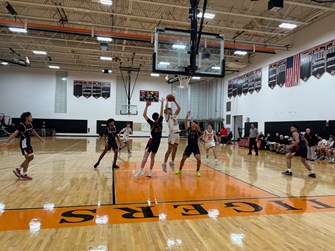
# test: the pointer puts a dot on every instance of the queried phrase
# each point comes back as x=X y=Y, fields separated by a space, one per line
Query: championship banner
x=251 y=82
x=235 y=87
x=330 y=58
x=245 y=84
x=89 y=89
x=230 y=88
x=319 y=61
x=281 y=73
x=306 y=65
x=258 y=80
x=240 y=86
x=273 y=75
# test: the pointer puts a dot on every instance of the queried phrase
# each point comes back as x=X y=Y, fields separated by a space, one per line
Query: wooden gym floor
x=241 y=204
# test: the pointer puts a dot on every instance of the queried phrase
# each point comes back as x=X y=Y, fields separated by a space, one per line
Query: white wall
x=313 y=100
x=24 y=89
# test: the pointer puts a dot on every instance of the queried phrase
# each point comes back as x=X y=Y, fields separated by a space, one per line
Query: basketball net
x=184 y=81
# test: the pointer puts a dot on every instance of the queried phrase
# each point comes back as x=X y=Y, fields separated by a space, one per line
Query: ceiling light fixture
x=207 y=15
x=179 y=46
x=106 y=2
x=104 y=39
x=19 y=30
x=241 y=53
x=196 y=78
x=164 y=63
x=54 y=67
x=39 y=52
x=154 y=75
x=288 y=26
x=216 y=68
x=4 y=63
x=106 y=58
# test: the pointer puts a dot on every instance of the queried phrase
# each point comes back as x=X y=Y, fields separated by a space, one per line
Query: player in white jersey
x=172 y=121
x=210 y=136
x=127 y=131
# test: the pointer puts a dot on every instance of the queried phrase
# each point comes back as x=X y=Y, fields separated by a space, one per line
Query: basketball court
x=76 y=64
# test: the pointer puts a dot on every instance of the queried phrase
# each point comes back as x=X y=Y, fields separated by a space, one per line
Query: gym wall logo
x=313 y=62
x=247 y=83
x=36 y=219
x=89 y=89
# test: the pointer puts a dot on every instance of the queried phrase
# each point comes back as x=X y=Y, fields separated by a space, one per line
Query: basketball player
x=193 y=133
x=110 y=136
x=156 y=134
x=127 y=131
x=174 y=138
x=298 y=148
x=25 y=130
x=209 y=136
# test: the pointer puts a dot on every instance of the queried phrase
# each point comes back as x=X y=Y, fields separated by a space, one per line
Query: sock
x=289 y=170
x=311 y=171
x=23 y=173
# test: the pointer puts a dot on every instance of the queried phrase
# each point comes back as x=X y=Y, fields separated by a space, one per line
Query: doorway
x=238 y=127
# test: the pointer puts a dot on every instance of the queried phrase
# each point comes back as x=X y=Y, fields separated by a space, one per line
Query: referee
x=253 y=137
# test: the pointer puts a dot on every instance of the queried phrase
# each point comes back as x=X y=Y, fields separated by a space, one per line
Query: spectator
x=43 y=129
x=322 y=146
x=311 y=142
x=230 y=137
x=281 y=144
x=261 y=137
x=223 y=135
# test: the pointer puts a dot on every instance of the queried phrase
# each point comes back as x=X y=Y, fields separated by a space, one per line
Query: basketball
x=170 y=98
x=148 y=103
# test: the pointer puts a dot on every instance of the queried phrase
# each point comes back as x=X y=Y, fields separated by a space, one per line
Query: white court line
x=55 y=154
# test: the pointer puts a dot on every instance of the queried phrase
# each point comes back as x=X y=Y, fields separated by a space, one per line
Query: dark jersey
x=156 y=128
x=193 y=136
x=25 y=132
x=111 y=135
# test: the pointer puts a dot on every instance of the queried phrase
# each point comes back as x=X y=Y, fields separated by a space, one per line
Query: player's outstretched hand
x=188 y=113
x=162 y=100
x=148 y=103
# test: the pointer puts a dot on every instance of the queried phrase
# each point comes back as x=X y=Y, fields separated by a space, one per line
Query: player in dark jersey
x=192 y=147
x=25 y=130
x=298 y=148
x=156 y=127
x=111 y=136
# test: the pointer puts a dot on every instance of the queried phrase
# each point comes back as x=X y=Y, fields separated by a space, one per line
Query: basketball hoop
x=184 y=81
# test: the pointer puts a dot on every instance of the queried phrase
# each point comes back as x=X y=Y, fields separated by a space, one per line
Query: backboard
x=171 y=53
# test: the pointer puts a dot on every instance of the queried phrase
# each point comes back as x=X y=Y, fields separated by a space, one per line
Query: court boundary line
x=171 y=202
x=222 y=172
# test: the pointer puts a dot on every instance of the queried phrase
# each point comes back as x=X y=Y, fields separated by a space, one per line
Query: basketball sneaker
x=149 y=174
x=139 y=173
x=287 y=173
x=25 y=177
x=206 y=156
x=115 y=166
x=164 y=167
x=312 y=175
x=17 y=172
x=129 y=152
x=178 y=171
x=96 y=165
x=216 y=161
x=198 y=174
x=171 y=165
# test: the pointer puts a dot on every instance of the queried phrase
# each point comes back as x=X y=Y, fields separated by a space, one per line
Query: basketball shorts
x=223 y=140
x=111 y=145
x=27 y=151
x=125 y=139
x=174 y=138
x=153 y=145
x=300 y=151
x=210 y=144
x=191 y=149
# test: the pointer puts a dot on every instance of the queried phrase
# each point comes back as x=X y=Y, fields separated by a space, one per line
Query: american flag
x=292 y=71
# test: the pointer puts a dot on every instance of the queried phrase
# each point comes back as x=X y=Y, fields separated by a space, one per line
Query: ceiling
x=65 y=29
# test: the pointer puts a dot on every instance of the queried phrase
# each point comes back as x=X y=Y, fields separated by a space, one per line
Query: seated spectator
x=281 y=144
x=229 y=138
x=261 y=137
x=324 y=146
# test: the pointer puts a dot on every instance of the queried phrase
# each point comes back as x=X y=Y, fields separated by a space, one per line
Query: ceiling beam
x=313 y=6
x=223 y=12
x=152 y=19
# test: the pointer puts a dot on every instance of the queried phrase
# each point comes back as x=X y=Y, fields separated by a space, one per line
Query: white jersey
x=172 y=123
x=209 y=136
x=126 y=132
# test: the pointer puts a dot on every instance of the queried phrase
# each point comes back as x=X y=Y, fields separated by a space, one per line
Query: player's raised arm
x=178 y=108
x=162 y=106
x=145 y=112
x=186 y=120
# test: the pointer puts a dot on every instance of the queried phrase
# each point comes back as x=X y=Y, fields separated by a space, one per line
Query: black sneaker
x=96 y=165
x=311 y=160
x=307 y=159
x=256 y=154
x=287 y=173
x=312 y=175
x=249 y=153
x=115 y=166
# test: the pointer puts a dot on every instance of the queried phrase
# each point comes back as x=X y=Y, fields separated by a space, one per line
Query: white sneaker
x=139 y=173
x=149 y=173
x=171 y=165
x=216 y=161
x=164 y=167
